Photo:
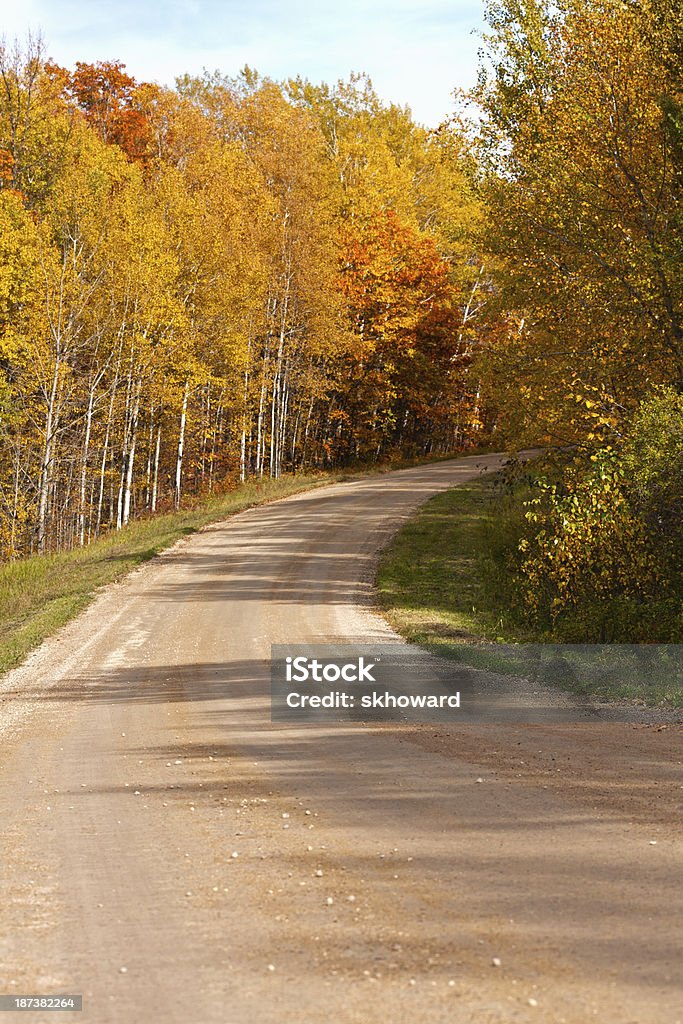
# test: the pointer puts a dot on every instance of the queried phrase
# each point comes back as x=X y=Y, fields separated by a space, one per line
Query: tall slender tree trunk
x=245 y=413
x=46 y=462
x=131 y=456
x=15 y=504
x=84 y=467
x=259 y=421
x=155 y=478
x=125 y=446
x=307 y=428
x=217 y=431
x=181 y=446
x=276 y=402
x=105 y=447
x=148 y=466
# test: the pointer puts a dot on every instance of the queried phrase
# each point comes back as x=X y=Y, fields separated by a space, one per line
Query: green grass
x=38 y=595
x=430 y=585
x=439 y=587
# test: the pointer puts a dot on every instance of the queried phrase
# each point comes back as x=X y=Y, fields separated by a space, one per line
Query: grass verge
x=438 y=587
x=430 y=583
x=38 y=595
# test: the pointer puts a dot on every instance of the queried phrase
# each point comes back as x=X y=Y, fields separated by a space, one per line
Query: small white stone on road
x=532 y=1002
x=329 y=901
x=234 y=854
x=496 y=961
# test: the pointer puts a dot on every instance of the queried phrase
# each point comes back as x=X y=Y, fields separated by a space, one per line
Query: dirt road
x=173 y=856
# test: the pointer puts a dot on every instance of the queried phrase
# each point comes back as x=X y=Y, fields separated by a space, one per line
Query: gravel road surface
x=174 y=856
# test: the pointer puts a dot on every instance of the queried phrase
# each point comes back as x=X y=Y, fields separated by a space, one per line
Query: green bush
x=592 y=549
x=653 y=473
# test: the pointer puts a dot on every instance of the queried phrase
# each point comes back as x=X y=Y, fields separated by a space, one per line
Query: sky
x=415 y=51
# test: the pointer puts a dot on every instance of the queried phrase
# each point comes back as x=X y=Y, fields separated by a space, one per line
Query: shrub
x=597 y=551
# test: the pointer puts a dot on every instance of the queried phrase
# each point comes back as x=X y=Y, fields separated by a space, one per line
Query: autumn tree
x=580 y=150
x=582 y=194
x=34 y=123
x=411 y=276
x=113 y=103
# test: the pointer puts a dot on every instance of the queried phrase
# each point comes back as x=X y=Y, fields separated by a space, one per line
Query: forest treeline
x=237 y=277
x=226 y=279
